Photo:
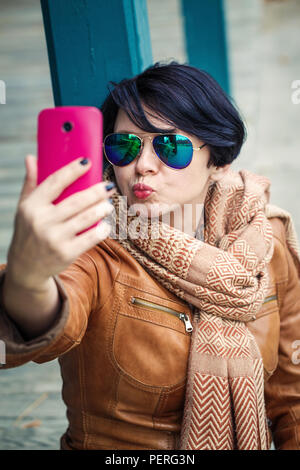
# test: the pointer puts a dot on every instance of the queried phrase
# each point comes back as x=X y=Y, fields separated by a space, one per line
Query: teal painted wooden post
x=91 y=42
x=205 y=38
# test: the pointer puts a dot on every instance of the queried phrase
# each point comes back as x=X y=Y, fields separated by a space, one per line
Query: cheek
x=200 y=172
x=195 y=179
x=122 y=177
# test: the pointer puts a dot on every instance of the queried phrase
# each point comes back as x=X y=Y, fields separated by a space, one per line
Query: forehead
x=124 y=123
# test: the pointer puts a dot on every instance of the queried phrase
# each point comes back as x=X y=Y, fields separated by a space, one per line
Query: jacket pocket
x=151 y=338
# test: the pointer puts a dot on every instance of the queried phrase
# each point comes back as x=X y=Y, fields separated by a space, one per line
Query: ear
x=218 y=172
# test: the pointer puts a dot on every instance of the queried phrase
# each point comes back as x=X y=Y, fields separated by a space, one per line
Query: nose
x=148 y=161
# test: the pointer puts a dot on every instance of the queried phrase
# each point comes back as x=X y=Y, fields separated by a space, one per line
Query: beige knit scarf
x=224 y=278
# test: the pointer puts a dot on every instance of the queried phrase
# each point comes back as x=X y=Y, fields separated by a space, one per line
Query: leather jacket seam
x=268 y=373
x=282 y=281
x=280 y=291
x=117 y=392
x=291 y=413
x=82 y=396
x=147 y=290
x=295 y=427
x=109 y=352
x=68 y=338
x=99 y=306
x=154 y=388
x=284 y=247
x=145 y=387
x=162 y=399
x=95 y=301
x=293 y=424
x=111 y=334
x=114 y=399
x=158 y=406
x=160 y=403
x=81 y=334
x=122 y=278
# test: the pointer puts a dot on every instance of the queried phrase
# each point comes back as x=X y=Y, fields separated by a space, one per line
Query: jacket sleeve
x=78 y=288
x=282 y=390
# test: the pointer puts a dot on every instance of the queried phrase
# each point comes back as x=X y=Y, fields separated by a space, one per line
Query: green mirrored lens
x=122 y=149
x=174 y=150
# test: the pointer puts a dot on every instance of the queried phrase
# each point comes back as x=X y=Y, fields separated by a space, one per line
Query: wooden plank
x=205 y=37
x=92 y=42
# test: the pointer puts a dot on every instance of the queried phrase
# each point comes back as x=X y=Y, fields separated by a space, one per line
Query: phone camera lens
x=67 y=126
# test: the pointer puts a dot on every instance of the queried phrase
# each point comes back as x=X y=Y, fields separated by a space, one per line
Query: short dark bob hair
x=185 y=97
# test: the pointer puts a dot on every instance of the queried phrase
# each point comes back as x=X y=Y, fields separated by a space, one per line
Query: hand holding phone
x=45 y=239
x=64 y=134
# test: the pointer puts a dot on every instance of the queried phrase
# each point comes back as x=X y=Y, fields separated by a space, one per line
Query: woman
x=169 y=335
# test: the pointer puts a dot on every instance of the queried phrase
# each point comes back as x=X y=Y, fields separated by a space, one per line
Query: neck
x=190 y=218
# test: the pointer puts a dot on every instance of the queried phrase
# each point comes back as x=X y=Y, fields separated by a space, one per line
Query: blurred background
x=264 y=63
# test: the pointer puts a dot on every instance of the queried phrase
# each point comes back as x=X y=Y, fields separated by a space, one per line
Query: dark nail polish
x=84 y=161
x=109 y=186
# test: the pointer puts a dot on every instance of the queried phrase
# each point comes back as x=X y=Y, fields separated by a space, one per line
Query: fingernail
x=109 y=186
x=84 y=161
x=110 y=200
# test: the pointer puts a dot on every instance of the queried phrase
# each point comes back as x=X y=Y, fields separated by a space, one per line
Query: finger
x=81 y=200
x=30 y=179
x=54 y=184
x=87 y=218
x=92 y=237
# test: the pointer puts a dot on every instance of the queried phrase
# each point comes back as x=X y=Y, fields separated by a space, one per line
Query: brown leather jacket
x=123 y=350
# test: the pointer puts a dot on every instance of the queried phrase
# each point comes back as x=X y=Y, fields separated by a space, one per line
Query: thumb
x=30 y=180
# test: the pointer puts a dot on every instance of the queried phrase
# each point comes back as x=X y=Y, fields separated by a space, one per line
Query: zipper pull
x=188 y=326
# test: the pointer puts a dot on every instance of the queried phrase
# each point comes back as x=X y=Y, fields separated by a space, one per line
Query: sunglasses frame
x=151 y=140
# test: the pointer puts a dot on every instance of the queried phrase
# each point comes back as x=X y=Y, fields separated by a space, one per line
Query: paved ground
x=265 y=60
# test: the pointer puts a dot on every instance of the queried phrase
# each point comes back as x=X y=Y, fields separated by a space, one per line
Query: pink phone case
x=66 y=133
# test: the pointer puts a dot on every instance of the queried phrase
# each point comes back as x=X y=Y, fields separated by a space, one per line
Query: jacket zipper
x=196 y=314
x=268 y=299
x=182 y=316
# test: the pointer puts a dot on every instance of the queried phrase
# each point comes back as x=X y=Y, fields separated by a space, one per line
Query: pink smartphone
x=66 y=133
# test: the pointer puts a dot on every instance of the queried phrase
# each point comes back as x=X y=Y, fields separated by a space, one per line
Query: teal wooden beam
x=205 y=38
x=91 y=42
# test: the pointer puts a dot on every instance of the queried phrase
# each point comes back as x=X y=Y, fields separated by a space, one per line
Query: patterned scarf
x=224 y=278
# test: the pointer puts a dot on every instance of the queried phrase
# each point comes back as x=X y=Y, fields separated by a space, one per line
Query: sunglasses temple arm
x=199 y=148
